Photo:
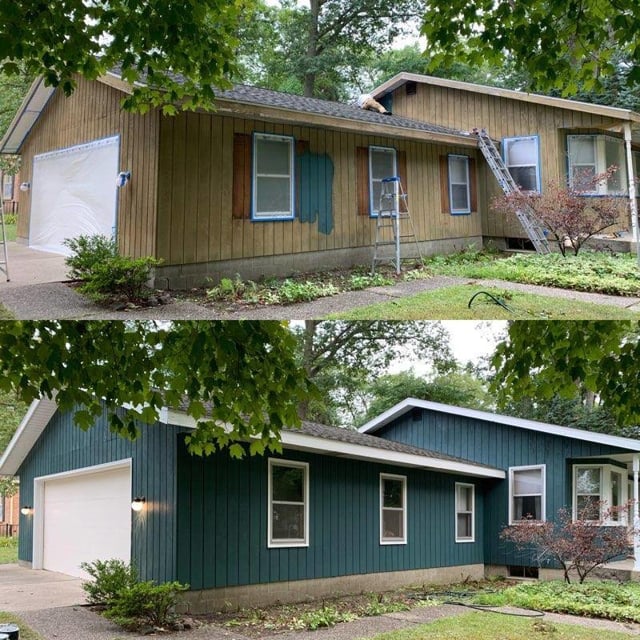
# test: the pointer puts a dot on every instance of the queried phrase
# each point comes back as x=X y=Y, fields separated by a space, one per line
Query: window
x=7 y=187
x=596 y=489
x=382 y=164
x=459 y=192
x=521 y=155
x=465 y=509
x=591 y=155
x=273 y=180
x=288 y=504
x=527 y=493
x=393 y=509
x=523 y=572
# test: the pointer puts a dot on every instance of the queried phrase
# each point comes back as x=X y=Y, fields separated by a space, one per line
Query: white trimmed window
x=459 y=190
x=597 y=488
x=591 y=155
x=393 y=509
x=382 y=164
x=273 y=179
x=288 y=512
x=522 y=157
x=527 y=493
x=465 y=512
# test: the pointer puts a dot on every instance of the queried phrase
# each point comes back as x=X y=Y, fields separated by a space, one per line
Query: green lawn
x=25 y=632
x=452 y=303
x=10 y=230
x=491 y=626
x=8 y=550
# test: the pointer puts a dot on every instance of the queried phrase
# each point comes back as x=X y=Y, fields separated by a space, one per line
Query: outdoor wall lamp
x=25 y=186
x=123 y=178
x=26 y=510
x=138 y=503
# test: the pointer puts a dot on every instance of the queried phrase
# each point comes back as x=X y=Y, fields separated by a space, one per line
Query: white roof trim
x=32 y=106
x=316 y=444
x=561 y=103
x=29 y=430
x=556 y=430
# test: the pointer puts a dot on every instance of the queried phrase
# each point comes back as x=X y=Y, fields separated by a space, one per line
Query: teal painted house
x=419 y=495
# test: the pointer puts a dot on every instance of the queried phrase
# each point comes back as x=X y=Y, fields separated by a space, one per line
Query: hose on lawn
x=457 y=598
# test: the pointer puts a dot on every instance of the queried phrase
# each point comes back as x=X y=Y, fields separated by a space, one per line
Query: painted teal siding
x=64 y=447
x=222 y=522
x=503 y=447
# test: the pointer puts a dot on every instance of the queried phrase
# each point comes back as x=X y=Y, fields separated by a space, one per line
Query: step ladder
x=4 y=255
x=526 y=215
x=393 y=215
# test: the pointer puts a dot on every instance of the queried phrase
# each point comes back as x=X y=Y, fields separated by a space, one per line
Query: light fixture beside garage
x=25 y=186
x=26 y=510
x=123 y=178
x=138 y=503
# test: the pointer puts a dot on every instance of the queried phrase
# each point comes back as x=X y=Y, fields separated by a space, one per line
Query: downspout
x=632 y=188
x=636 y=513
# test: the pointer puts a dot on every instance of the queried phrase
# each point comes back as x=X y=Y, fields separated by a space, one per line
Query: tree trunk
x=307 y=355
x=312 y=49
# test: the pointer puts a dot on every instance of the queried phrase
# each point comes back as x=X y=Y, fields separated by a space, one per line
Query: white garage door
x=86 y=517
x=73 y=193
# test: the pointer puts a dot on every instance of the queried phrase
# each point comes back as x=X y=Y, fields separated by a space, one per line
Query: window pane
x=392 y=493
x=287 y=484
x=273 y=156
x=525 y=177
x=464 y=525
x=465 y=501
x=457 y=170
x=582 y=150
x=382 y=163
x=527 y=507
x=527 y=481
x=459 y=197
x=273 y=195
x=288 y=522
x=588 y=481
x=523 y=151
x=392 y=522
x=588 y=508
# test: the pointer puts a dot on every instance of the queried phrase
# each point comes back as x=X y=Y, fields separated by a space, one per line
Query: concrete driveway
x=24 y=589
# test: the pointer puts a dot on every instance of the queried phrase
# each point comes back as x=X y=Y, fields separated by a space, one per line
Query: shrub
x=88 y=252
x=10 y=218
x=145 y=604
x=110 y=577
x=325 y=617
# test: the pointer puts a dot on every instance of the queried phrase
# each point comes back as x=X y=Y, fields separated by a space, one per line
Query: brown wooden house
x=542 y=139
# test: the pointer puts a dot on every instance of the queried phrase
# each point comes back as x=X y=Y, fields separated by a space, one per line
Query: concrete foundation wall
x=231 y=598
x=203 y=273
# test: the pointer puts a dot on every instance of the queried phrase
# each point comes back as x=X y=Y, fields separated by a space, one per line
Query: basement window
x=522 y=572
x=288 y=504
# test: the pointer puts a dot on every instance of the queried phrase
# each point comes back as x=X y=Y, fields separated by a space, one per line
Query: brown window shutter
x=362 y=180
x=473 y=184
x=241 y=199
x=444 y=184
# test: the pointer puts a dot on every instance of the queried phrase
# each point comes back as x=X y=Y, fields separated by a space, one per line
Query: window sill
x=392 y=542
x=464 y=540
x=286 y=545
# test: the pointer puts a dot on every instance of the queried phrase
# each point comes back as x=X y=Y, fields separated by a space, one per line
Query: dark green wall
x=64 y=447
x=503 y=447
x=222 y=522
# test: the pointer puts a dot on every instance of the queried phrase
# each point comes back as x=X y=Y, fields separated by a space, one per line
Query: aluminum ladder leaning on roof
x=393 y=208
x=4 y=254
x=527 y=218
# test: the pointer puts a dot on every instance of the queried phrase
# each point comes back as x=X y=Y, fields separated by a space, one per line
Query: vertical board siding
x=64 y=447
x=501 y=117
x=202 y=217
x=222 y=516
x=92 y=112
x=500 y=446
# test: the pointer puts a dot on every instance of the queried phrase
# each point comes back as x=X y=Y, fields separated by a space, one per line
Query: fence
x=8 y=530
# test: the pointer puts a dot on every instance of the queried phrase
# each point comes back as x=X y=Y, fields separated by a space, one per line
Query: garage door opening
x=82 y=516
x=73 y=193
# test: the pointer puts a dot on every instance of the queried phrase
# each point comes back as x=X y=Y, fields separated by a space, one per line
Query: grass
x=490 y=626
x=10 y=230
x=8 y=550
x=452 y=303
x=25 y=632
x=601 y=599
x=615 y=274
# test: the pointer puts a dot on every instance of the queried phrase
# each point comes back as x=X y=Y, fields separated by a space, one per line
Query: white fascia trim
x=306 y=442
x=567 y=432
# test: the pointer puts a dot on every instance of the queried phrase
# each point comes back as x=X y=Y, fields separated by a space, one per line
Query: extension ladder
x=393 y=209
x=525 y=215
x=4 y=255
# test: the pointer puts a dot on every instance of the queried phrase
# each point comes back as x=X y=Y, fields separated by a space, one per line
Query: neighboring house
x=9 y=515
x=543 y=139
x=421 y=497
x=10 y=190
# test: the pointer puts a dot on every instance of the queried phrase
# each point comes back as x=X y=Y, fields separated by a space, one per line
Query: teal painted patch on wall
x=314 y=173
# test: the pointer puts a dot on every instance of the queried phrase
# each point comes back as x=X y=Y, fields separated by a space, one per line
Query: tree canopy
x=149 y=40
x=239 y=380
x=564 y=44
